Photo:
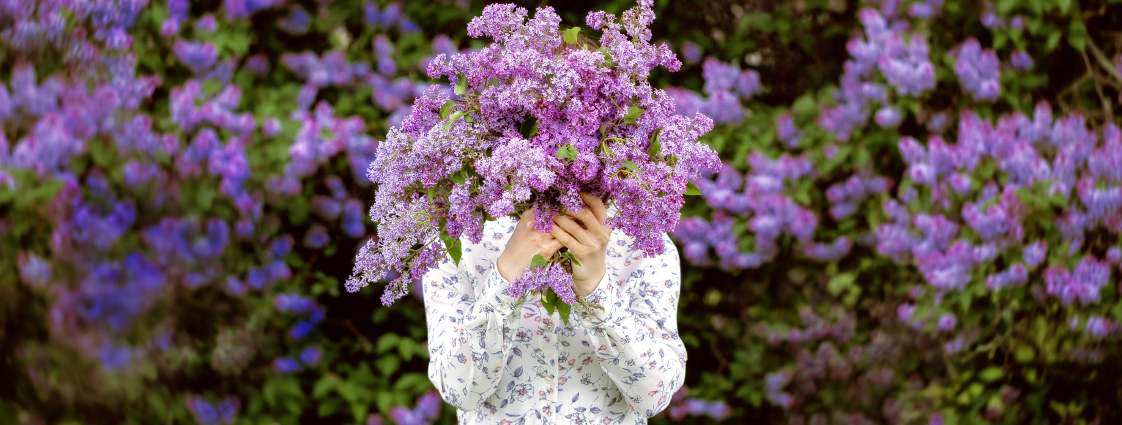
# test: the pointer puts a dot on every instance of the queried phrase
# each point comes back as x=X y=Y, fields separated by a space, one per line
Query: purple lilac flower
x=286 y=365
x=542 y=277
x=748 y=84
x=302 y=329
x=1013 y=276
x=1034 y=253
x=946 y=322
x=405 y=416
x=207 y=23
x=235 y=287
x=33 y=270
x=353 y=216
x=906 y=66
x=925 y=9
x=978 y=70
x=696 y=406
x=888 y=117
x=1021 y=60
x=311 y=355
x=114 y=357
x=326 y=206
x=429 y=405
x=1082 y=284
x=1098 y=327
x=296 y=22
x=202 y=411
x=788 y=133
x=1114 y=255
x=258 y=64
x=691 y=53
x=198 y=57
x=272 y=127
x=292 y=303
x=317 y=237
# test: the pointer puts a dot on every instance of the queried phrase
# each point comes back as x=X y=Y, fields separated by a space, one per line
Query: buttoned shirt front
x=503 y=360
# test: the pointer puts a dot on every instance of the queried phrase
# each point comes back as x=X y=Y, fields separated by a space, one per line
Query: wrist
x=585 y=285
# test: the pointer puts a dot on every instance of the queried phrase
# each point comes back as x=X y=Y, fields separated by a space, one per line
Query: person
x=504 y=360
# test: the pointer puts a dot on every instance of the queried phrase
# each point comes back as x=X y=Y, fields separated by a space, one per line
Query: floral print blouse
x=504 y=362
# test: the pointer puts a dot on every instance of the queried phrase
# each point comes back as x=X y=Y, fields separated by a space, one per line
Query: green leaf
x=454 y=247
x=538 y=261
x=656 y=145
x=633 y=115
x=1077 y=34
x=571 y=35
x=567 y=152
x=840 y=283
x=631 y=166
x=529 y=127
x=571 y=257
x=1024 y=354
x=446 y=109
x=991 y=374
x=325 y=384
x=460 y=177
x=461 y=85
x=564 y=310
x=549 y=300
x=452 y=120
x=692 y=189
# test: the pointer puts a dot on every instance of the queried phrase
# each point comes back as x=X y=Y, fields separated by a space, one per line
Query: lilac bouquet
x=532 y=120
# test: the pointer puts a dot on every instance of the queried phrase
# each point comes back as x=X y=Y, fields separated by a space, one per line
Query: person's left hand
x=589 y=243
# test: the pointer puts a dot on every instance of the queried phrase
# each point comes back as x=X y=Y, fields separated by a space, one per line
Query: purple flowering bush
x=915 y=217
x=179 y=182
x=932 y=238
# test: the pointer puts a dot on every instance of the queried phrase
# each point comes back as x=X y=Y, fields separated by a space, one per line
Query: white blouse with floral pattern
x=499 y=361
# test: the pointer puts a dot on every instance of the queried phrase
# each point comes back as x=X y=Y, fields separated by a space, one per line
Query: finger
x=585 y=215
x=596 y=205
x=565 y=238
x=572 y=228
x=552 y=246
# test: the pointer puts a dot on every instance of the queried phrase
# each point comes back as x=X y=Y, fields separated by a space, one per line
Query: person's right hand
x=524 y=244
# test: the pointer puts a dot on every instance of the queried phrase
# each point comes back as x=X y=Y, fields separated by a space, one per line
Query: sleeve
x=635 y=336
x=469 y=335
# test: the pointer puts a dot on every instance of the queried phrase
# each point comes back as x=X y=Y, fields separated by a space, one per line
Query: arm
x=470 y=313
x=469 y=342
x=635 y=337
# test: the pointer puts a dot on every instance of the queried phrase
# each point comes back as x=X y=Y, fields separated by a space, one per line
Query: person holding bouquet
x=498 y=357
x=543 y=304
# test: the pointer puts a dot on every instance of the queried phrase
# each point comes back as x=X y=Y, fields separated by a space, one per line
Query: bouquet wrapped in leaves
x=532 y=120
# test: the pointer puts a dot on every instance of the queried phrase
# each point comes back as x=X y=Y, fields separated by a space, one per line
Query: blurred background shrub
x=918 y=221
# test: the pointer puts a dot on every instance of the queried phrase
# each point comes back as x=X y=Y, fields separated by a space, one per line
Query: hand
x=587 y=240
x=524 y=244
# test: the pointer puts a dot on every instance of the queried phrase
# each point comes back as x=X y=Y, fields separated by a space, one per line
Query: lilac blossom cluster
x=725 y=86
x=300 y=305
x=770 y=213
x=425 y=412
x=535 y=118
x=903 y=63
x=207 y=413
x=862 y=364
x=551 y=276
x=1063 y=156
x=681 y=406
x=978 y=70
